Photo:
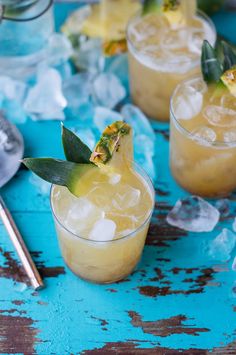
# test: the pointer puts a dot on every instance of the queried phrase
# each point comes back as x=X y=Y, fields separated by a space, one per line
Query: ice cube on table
x=82 y=214
x=108 y=90
x=89 y=55
x=118 y=65
x=59 y=50
x=220 y=116
x=45 y=100
x=12 y=89
x=188 y=104
x=222 y=246
x=204 y=135
x=77 y=91
x=143 y=145
x=103 y=231
x=193 y=214
x=104 y=116
x=138 y=121
x=223 y=207
x=126 y=197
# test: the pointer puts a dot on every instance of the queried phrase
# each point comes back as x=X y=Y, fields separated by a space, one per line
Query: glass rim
x=186 y=132
x=199 y=13
x=135 y=231
x=28 y=19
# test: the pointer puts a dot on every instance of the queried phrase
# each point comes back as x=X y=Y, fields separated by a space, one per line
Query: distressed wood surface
x=177 y=301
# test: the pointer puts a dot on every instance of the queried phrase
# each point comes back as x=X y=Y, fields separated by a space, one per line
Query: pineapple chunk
x=115 y=148
x=229 y=79
x=108 y=19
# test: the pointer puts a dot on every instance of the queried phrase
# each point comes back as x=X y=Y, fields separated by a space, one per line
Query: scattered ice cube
x=143 y=145
x=223 y=207
x=222 y=246
x=138 y=121
x=118 y=65
x=77 y=91
x=103 y=230
x=82 y=215
x=12 y=89
x=188 y=104
x=229 y=136
x=89 y=56
x=104 y=116
x=220 y=116
x=234 y=264
x=42 y=185
x=108 y=90
x=204 y=135
x=78 y=88
x=45 y=100
x=146 y=161
x=59 y=50
x=193 y=214
x=127 y=197
x=234 y=225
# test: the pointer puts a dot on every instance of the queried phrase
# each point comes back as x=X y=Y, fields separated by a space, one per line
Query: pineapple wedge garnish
x=114 y=152
x=229 y=79
x=115 y=147
x=177 y=12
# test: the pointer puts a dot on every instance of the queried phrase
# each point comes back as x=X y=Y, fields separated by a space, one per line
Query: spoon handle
x=17 y=240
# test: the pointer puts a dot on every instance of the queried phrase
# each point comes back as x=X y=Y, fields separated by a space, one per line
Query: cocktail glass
x=203 y=139
x=98 y=258
x=161 y=56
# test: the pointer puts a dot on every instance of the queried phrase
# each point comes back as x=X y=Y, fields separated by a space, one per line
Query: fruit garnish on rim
x=112 y=154
x=177 y=12
x=106 y=20
x=219 y=68
x=101 y=201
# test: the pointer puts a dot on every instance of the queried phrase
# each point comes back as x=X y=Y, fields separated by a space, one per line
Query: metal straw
x=17 y=240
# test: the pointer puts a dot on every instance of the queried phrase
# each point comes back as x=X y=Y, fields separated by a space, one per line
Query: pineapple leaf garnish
x=211 y=66
x=75 y=150
x=229 y=56
x=59 y=172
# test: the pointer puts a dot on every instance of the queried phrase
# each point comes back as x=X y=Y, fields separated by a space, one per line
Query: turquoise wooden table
x=177 y=301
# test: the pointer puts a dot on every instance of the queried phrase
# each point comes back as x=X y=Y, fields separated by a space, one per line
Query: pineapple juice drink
x=203 y=139
x=164 y=49
x=101 y=202
x=103 y=232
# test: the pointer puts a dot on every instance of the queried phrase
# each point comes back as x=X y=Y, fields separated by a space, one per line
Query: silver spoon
x=11 y=151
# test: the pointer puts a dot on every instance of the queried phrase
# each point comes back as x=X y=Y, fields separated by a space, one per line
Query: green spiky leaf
x=59 y=172
x=229 y=56
x=211 y=66
x=75 y=150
